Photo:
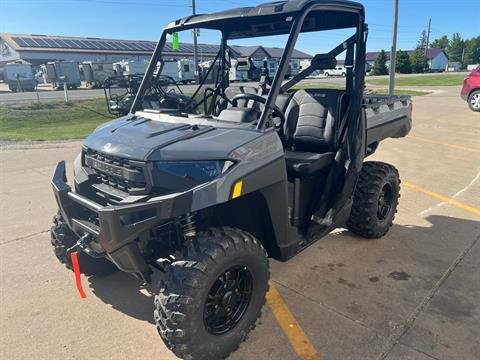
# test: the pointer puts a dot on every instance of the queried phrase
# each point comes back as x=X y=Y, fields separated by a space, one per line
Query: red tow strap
x=78 y=279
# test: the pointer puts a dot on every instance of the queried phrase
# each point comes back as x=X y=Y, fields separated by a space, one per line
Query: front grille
x=112 y=174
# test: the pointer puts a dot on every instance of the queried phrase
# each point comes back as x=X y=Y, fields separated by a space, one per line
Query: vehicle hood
x=147 y=140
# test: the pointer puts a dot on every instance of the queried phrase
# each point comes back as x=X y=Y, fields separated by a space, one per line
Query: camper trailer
x=126 y=67
x=244 y=69
x=186 y=70
x=182 y=70
x=96 y=72
x=19 y=77
x=210 y=75
x=272 y=65
x=59 y=72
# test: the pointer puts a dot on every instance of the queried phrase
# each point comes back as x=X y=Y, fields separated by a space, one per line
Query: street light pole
x=393 y=52
x=195 y=46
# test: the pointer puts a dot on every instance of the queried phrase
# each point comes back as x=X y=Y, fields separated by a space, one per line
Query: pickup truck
x=337 y=71
x=204 y=188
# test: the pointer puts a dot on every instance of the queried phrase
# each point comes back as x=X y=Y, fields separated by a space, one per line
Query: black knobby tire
x=474 y=95
x=63 y=238
x=375 y=200
x=183 y=303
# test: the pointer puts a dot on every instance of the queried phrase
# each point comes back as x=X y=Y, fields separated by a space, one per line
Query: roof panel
x=19 y=41
x=30 y=42
x=42 y=42
x=128 y=46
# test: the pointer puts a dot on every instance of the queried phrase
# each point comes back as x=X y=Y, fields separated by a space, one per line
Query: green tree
x=380 y=65
x=404 y=65
x=441 y=43
x=472 y=51
x=455 y=48
x=422 y=43
x=419 y=61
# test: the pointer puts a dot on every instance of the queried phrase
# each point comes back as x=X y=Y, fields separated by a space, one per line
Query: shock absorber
x=187 y=225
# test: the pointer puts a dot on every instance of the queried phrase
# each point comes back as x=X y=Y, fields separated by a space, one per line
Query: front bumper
x=114 y=231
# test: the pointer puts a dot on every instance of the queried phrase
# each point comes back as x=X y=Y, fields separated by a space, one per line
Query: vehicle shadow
x=128 y=295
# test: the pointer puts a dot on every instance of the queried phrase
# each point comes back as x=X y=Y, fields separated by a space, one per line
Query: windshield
x=204 y=90
x=246 y=63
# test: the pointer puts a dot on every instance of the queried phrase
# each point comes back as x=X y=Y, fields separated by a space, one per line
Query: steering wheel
x=211 y=90
x=276 y=111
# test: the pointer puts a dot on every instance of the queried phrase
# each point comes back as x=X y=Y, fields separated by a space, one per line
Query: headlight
x=194 y=171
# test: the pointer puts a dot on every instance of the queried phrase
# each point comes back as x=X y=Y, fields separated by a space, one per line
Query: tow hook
x=82 y=245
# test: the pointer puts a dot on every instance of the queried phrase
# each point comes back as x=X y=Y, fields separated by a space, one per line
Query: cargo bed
x=388 y=116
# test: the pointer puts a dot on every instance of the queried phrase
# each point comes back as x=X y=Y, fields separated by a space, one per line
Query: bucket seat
x=310 y=130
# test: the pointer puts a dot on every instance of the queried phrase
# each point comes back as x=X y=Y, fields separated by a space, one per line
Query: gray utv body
x=124 y=202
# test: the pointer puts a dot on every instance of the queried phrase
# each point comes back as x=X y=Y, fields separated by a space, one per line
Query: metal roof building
x=40 y=49
x=269 y=52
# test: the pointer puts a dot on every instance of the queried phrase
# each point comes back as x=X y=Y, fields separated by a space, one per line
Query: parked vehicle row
x=19 y=77
x=25 y=77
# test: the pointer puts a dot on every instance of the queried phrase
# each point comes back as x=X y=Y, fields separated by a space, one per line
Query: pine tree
x=440 y=43
x=422 y=43
x=472 y=51
x=380 y=65
x=455 y=48
x=404 y=65
x=419 y=61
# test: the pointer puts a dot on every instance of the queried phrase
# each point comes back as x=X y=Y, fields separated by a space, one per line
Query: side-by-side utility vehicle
x=205 y=188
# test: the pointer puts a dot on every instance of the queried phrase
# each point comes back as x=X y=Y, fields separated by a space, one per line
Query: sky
x=144 y=20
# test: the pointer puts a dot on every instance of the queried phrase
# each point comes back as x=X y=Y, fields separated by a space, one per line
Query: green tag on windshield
x=175 y=41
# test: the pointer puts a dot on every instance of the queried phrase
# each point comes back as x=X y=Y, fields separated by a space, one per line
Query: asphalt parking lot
x=413 y=294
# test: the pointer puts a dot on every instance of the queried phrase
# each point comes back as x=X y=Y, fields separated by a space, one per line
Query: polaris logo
x=107 y=169
x=107 y=147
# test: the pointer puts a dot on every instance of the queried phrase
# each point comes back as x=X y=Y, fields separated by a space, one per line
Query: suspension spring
x=187 y=224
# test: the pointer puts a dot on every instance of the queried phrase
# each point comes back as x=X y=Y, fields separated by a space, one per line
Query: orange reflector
x=78 y=279
x=237 y=189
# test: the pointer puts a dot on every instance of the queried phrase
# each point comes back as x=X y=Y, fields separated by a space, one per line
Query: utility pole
x=428 y=41
x=195 y=46
x=393 y=52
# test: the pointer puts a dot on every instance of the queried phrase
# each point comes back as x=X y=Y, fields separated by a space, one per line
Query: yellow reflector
x=237 y=189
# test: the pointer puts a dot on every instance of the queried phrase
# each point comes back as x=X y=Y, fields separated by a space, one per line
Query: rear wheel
x=212 y=294
x=375 y=200
x=474 y=101
x=63 y=238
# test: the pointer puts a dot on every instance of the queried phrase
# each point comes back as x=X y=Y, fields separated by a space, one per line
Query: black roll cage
x=355 y=73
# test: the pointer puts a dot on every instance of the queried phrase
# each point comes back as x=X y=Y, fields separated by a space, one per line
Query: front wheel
x=375 y=200
x=474 y=101
x=212 y=294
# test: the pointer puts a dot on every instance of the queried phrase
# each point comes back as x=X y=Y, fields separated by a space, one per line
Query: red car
x=471 y=89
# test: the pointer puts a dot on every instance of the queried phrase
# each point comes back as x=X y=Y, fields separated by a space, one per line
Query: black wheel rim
x=385 y=202
x=227 y=300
